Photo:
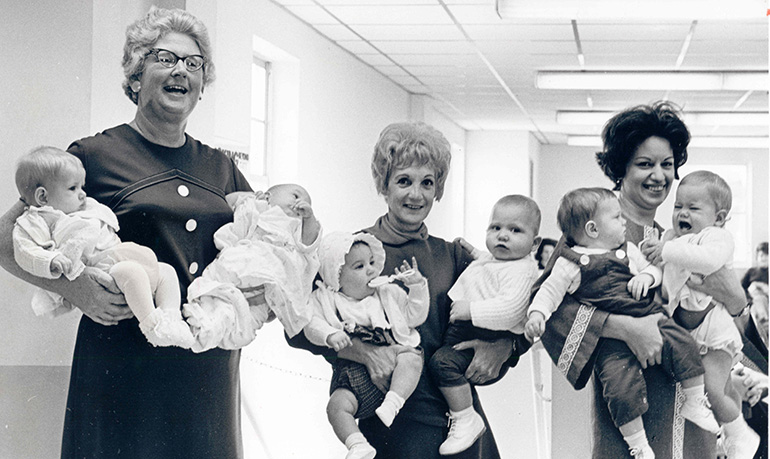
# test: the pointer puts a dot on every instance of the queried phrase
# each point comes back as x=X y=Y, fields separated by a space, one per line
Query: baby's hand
x=535 y=326
x=465 y=245
x=460 y=310
x=639 y=285
x=652 y=249
x=303 y=209
x=60 y=264
x=409 y=275
x=338 y=341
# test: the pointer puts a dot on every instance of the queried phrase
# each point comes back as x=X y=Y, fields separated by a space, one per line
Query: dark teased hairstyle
x=628 y=129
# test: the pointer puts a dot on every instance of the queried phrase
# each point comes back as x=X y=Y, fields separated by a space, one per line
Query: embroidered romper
x=603 y=284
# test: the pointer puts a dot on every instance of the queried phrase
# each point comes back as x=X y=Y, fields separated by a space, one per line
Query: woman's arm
x=641 y=334
x=725 y=287
x=94 y=292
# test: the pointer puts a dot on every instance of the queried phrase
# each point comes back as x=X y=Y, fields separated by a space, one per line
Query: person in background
x=168 y=190
x=544 y=251
x=756 y=276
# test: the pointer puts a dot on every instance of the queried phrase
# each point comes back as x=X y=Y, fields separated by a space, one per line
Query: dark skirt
x=130 y=399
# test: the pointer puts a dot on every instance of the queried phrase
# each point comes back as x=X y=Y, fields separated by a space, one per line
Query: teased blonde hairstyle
x=142 y=35
x=402 y=145
x=40 y=165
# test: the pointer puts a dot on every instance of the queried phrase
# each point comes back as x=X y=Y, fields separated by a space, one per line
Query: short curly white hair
x=142 y=35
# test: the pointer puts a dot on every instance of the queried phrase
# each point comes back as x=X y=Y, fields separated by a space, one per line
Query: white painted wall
x=497 y=164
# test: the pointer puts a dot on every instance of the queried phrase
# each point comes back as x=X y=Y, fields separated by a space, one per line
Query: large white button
x=191 y=225
x=193 y=268
x=183 y=190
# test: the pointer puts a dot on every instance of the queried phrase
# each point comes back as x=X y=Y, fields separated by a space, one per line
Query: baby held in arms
x=354 y=301
x=63 y=231
x=265 y=269
x=599 y=268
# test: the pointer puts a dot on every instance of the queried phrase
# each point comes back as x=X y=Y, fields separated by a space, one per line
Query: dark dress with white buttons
x=126 y=397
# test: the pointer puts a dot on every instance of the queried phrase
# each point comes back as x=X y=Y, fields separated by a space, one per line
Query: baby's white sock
x=354 y=439
x=637 y=440
x=694 y=391
x=462 y=413
x=734 y=427
x=389 y=408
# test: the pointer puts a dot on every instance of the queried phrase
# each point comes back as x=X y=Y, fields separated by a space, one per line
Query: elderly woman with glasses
x=126 y=397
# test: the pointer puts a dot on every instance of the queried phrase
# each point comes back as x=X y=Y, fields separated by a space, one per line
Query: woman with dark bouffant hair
x=644 y=146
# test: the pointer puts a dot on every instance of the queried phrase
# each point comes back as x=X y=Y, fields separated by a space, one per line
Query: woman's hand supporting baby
x=378 y=360
x=95 y=293
x=488 y=358
x=641 y=335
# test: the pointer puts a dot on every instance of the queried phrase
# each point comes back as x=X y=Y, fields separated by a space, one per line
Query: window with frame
x=259 y=124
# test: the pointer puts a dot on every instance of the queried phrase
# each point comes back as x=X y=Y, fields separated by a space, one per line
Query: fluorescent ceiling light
x=663 y=10
x=651 y=80
x=598 y=118
x=697 y=142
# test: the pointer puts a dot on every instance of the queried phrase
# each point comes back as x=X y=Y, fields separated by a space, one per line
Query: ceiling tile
x=522 y=32
x=427 y=32
x=626 y=32
x=375 y=59
x=475 y=14
x=336 y=32
x=390 y=3
x=392 y=70
x=408 y=14
x=312 y=14
x=436 y=59
x=358 y=47
x=418 y=45
x=424 y=47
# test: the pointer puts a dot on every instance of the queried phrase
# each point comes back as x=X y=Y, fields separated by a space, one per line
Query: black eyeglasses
x=192 y=63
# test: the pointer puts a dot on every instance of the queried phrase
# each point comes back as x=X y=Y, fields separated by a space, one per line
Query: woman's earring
x=136 y=86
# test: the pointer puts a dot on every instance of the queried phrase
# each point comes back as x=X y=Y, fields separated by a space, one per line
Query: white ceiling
x=482 y=69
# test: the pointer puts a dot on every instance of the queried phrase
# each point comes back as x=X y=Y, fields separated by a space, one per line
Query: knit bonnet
x=334 y=247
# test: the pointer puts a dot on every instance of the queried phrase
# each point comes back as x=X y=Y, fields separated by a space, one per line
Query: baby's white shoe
x=361 y=451
x=644 y=452
x=167 y=328
x=698 y=411
x=743 y=445
x=463 y=432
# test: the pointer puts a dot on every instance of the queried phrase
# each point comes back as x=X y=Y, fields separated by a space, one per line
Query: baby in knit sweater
x=490 y=300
